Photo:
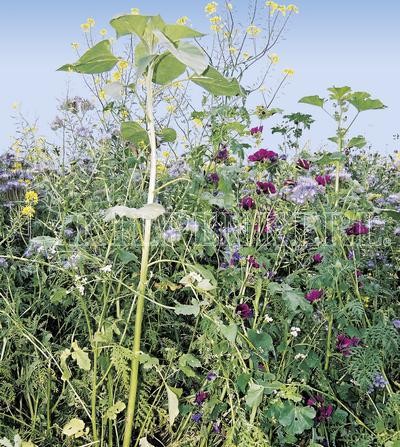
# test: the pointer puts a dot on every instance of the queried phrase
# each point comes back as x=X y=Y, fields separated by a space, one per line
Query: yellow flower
x=17 y=165
x=124 y=114
x=177 y=84
x=170 y=108
x=215 y=28
x=116 y=76
x=253 y=30
x=273 y=6
x=233 y=50
x=282 y=9
x=182 y=20
x=135 y=11
x=85 y=27
x=165 y=154
x=75 y=45
x=123 y=65
x=197 y=122
x=246 y=55
x=161 y=168
x=211 y=8
x=102 y=94
x=288 y=71
x=28 y=211
x=292 y=8
x=229 y=6
x=31 y=197
x=15 y=105
x=215 y=20
x=90 y=21
x=274 y=58
x=103 y=32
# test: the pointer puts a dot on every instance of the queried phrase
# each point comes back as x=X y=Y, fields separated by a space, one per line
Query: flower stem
x=134 y=379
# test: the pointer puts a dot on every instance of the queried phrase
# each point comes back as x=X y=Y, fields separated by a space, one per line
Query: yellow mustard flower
x=292 y=8
x=16 y=166
x=215 y=28
x=90 y=21
x=31 y=197
x=216 y=20
x=197 y=122
x=103 y=32
x=229 y=6
x=135 y=11
x=116 y=76
x=288 y=71
x=211 y=8
x=274 y=58
x=233 y=50
x=28 y=211
x=253 y=30
x=102 y=94
x=85 y=27
x=75 y=45
x=282 y=9
x=123 y=65
x=15 y=105
x=273 y=6
x=124 y=114
x=171 y=108
x=246 y=55
x=165 y=154
x=161 y=168
x=182 y=20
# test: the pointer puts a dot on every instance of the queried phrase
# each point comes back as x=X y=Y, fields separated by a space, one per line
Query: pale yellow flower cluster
x=31 y=199
x=88 y=25
x=253 y=30
x=288 y=71
x=275 y=7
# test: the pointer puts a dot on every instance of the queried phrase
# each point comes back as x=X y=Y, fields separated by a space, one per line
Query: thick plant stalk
x=134 y=379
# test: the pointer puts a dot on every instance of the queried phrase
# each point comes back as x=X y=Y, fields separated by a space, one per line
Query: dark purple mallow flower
x=256 y=130
x=304 y=164
x=318 y=258
x=266 y=188
x=222 y=154
x=201 y=397
x=253 y=262
x=356 y=229
x=213 y=178
x=247 y=203
x=345 y=343
x=263 y=155
x=244 y=310
x=323 y=180
x=196 y=417
x=314 y=295
x=324 y=412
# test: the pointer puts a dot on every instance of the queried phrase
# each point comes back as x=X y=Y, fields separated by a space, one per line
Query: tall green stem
x=134 y=379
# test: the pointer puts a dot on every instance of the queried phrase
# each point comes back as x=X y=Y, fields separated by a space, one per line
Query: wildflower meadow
x=170 y=278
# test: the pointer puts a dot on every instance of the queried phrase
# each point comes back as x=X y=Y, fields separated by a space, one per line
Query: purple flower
x=217 y=427
x=196 y=417
x=222 y=154
x=344 y=344
x=323 y=180
x=201 y=397
x=213 y=178
x=211 y=376
x=350 y=255
x=379 y=381
x=244 y=310
x=324 y=412
x=302 y=163
x=253 y=262
x=3 y=263
x=356 y=229
x=254 y=131
x=305 y=190
x=396 y=324
x=247 y=203
x=263 y=155
x=314 y=295
x=318 y=258
x=266 y=188
x=171 y=235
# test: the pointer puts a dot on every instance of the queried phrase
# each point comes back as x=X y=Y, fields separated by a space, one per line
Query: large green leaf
x=136 y=24
x=314 y=100
x=362 y=101
x=134 y=133
x=177 y=32
x=167 y=135
x=97 y=59
x=357 y=142
x=254 y=395
x=339 y=93
x=296 y=419
x=190 y=55
x=167 y=68
x=261 y=341
x=213 y=81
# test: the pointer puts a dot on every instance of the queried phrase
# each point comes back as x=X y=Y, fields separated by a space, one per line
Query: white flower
x=300 y=356
x=295 y=331
x=268 y=319
x=81 y=288
x=106 y=268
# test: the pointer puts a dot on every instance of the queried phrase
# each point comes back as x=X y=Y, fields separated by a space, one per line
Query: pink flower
x=263 y=155
x=266 y=188
x=201 y=397
x=344 y=344
x=302 y=163
x=253 y=262
x=318 y=258
x=247 y=203
x=256 y=130
x=314 y=295
x=356 y=229
x=323 y=180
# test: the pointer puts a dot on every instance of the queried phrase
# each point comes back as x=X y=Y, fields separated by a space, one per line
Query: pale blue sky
x=338 y=42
